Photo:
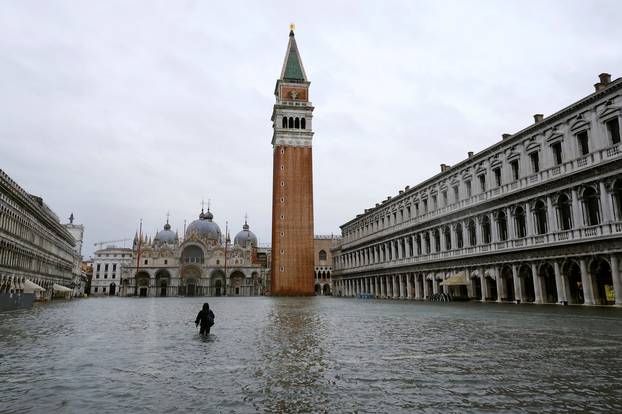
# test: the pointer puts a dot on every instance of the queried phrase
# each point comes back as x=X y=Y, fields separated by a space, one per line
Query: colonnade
x=589 y=280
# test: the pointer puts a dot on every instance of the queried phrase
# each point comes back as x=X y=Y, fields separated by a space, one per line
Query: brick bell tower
x=292 y=187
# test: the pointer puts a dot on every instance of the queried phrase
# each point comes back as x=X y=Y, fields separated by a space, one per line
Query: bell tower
x=292 y=180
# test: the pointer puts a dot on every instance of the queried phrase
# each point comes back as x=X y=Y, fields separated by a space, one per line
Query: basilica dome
x=245 y=238
x=166 y=235
x=204 y=227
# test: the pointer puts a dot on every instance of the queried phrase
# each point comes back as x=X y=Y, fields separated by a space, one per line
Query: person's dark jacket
x=205 y=317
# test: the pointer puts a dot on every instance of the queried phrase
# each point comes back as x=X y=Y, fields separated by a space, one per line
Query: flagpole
x=140 y=240
x=226 y=232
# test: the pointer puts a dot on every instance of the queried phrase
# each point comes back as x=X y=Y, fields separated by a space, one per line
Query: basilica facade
x=536 y=217
x=202 y=263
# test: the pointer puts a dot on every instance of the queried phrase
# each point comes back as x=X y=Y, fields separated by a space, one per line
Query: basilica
x=202 y=263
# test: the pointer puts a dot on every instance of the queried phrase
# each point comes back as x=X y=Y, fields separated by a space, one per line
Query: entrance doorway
x=163 y=288
x=142 y=292
x=112 y=290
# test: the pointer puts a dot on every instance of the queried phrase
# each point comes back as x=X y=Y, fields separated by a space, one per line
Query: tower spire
x=293 y=70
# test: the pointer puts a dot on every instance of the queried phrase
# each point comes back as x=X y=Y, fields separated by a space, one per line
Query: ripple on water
x=309 y=355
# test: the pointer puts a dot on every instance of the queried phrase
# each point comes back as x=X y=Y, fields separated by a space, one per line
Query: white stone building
x=79 y=276
x=108 y=264
x=536 y=217
x=204 y=263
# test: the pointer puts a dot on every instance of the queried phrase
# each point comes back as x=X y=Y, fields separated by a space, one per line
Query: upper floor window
x=284 y=122
x=503 y=226
x=521 y=228
x=416 y=209
x=591 y=208
x=456 y=193
x=322 y=255
x=482 y=182
x=425 y=206
x=557 y=153
x=535 y=161
x=613 y=127
x=434 y=202
x=497 y=172
x=564 y=212
x=468 y=188
x=583 y=142
x=515 y=171
x=445 y=198
x=540 y=217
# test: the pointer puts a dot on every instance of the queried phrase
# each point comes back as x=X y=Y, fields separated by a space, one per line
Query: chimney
x=605 y=79
x=538 y=118
x=444 y=167
x=598 y=87
x=506 y=136
x=470 y=153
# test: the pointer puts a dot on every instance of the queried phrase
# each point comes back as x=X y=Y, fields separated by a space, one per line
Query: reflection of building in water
x=36 y=250
x=204 y=263
x=536 y=217
x=323 y=263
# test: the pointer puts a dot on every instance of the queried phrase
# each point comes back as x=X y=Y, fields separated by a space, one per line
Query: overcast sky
x=121 y=110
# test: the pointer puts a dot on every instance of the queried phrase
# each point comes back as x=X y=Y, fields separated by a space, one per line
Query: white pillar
x=586 y=282
x=408 y=287
x=426 y=288
x=605 y=203
x=499 y=282
x=518 y=289
x=562 y=295
x=617 y=280
x=537 y=284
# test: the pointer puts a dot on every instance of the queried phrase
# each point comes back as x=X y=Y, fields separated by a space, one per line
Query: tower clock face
x=293 y=94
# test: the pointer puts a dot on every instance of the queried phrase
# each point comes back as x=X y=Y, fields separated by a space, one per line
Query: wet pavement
x=309 y=355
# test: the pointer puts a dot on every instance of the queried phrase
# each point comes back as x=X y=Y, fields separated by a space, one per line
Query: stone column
x=453 y=236
x=562 y=295
x=499 y=282
x=426 y=288
x=586 y=281
x=528 y=220
x=434 y=285
x=617 y=279
x=577 y=217
x=484 y=284
x=518 y=289
x=394 y=293
x=510 y=223
x=470 y=284
x=494 y=228
x=409 y=288
x=605 y=203
x=551 y=218
x=414 y=244
x=418 y=287
x=393 y=255
x=537 y=284
x=407 y=246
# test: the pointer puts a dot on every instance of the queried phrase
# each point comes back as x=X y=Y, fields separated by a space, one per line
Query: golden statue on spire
x=292 y=27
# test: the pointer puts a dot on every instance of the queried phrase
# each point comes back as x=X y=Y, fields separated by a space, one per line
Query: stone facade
x=34 y=245
x=292 y=193
x=323 y=268
x=107 y=268
x=204 y=263
x=536 y=217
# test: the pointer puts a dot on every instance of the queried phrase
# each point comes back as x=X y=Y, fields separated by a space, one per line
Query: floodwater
x=289 y=355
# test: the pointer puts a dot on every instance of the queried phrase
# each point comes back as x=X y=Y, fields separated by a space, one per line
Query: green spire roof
x=292 y=67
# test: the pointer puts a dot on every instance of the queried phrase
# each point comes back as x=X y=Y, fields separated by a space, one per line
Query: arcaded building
x=322 y=245
x=535 y=217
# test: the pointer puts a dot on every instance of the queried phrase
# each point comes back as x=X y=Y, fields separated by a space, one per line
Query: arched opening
x=217 y=281
x=471 y=233
x=430 y=285
x=616 y=195
x=284 y=124
x=291 y=122
x=447 y=235
x=549 y=293
x=437 y=240
x=236 y=280
x=418 y=242
x=297 y=123
x=519 y=217
x=326 y=290
x=322 y=255
x=539 y=212
x=564 y=212
x=426 y=241
x=502 y=224
x=303 y=123
x=218 y=287
x=192 y=254
x=112 y=289
x=190 y=276
x=459 y=236
x=527 y=286
x=572 y=273
x=486 y=230
x=491 y=288
x=508 y=284
x=318 y=289
x=591 y=210
x=476 y=286
x=142 y=284
x=163 y=278
x=602 y=281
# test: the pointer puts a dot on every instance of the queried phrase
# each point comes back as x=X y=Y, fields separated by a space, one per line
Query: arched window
x=502 y=224
x=297 y=123
x=471 y=231
x=303 y=123
x=291 y=122
x=447 y=234
x=616 y=194
x=284 y=122
x=459 y=236
x=564 y=212
x=519 y=215
x=418 y=241
x=322 y=255
x=437 y=241
x=539 y=212
x=486 y=230
x=591 y=210
x=426 y=242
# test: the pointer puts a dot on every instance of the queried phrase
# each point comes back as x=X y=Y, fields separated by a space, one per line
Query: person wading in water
x=205 y=318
